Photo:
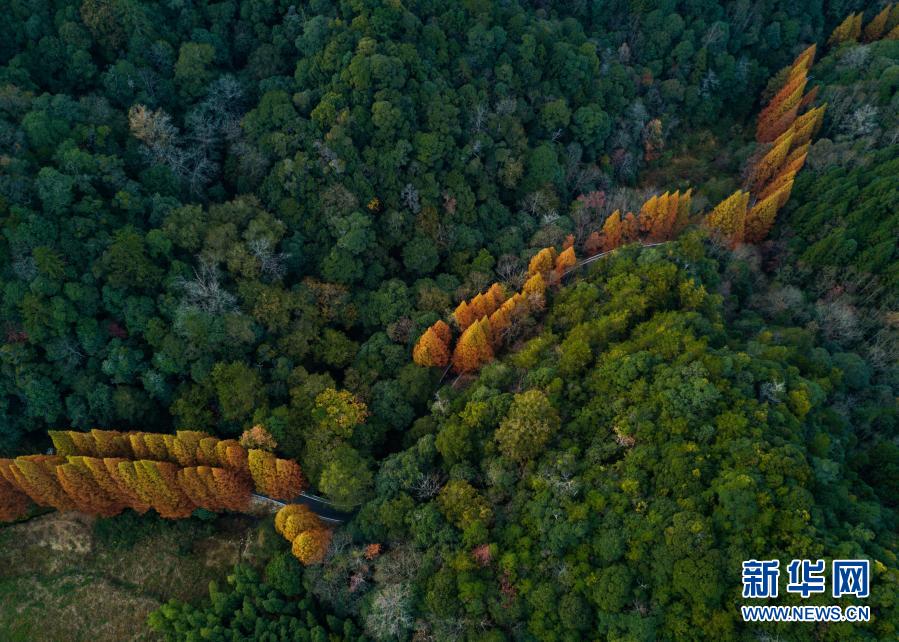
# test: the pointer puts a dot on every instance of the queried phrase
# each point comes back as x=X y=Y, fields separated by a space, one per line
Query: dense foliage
x=212 y=212
x=275 y=607
x=612 y=474
x=840 y=228
x=290 y=219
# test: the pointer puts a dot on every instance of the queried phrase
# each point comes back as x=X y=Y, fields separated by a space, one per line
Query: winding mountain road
x=318 y=505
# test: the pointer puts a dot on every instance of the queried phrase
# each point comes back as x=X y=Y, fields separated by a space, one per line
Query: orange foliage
x=565 y=261
x=473 y=348
x=276 y=478
x=431 y=350
x=464 y=316
x=79 y=484
x=35 y=475
x=778 y=115
x=443 y=331
x=613 y=232
x=258 y=437
x=13 y=502
x=661 y=216
x=809 y=98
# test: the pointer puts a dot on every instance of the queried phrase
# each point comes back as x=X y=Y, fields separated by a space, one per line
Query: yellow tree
x=761 y=171
x=807 y=125
x=647 y=213
x=803 y=61
x=62 y=442
x=762 y=216
x=158 y=482
x=293 y=519
x=630 y=229
x=197 y=486
x=876 y=28
x=612 y=232
x=729 y=217
x=476 y=306
x=809 y=98
x=542 y=262
x=682 y=217
x=231 y=489
x=289 y=479
x=847 y=31
x=36 y=477
x=139 y=447
x=184 y=448
x=534 y=291
x=783 y=194
x=658 y=216
x=760 y=219
x=84 y=443
x=122 y=472
x=206 y=451
x=778 y=182
x=231 y=455
x=111 y=483
x=500 y=322
x=111 y=443
x=497 y=295
x=263 y=469
x=310 y=547
x=156 y=446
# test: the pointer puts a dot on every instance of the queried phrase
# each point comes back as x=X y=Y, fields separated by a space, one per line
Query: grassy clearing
x=65 y=576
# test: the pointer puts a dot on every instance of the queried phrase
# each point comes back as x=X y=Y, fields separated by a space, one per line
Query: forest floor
x=61 y=578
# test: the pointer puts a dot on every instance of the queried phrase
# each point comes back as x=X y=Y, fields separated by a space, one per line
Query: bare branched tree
x=410 y=198
x=205 y=291
x=426 y=486
x=390 y=615
x=511 y=271
x=271 y=263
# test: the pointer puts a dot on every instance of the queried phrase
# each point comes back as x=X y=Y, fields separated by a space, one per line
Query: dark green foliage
x=685 y=442
x=250 y=608
x=212 y=213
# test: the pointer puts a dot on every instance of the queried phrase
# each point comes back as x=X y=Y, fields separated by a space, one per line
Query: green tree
x=530 y=424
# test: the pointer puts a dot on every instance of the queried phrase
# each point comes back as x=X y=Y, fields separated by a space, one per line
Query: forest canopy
x=351 y=237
